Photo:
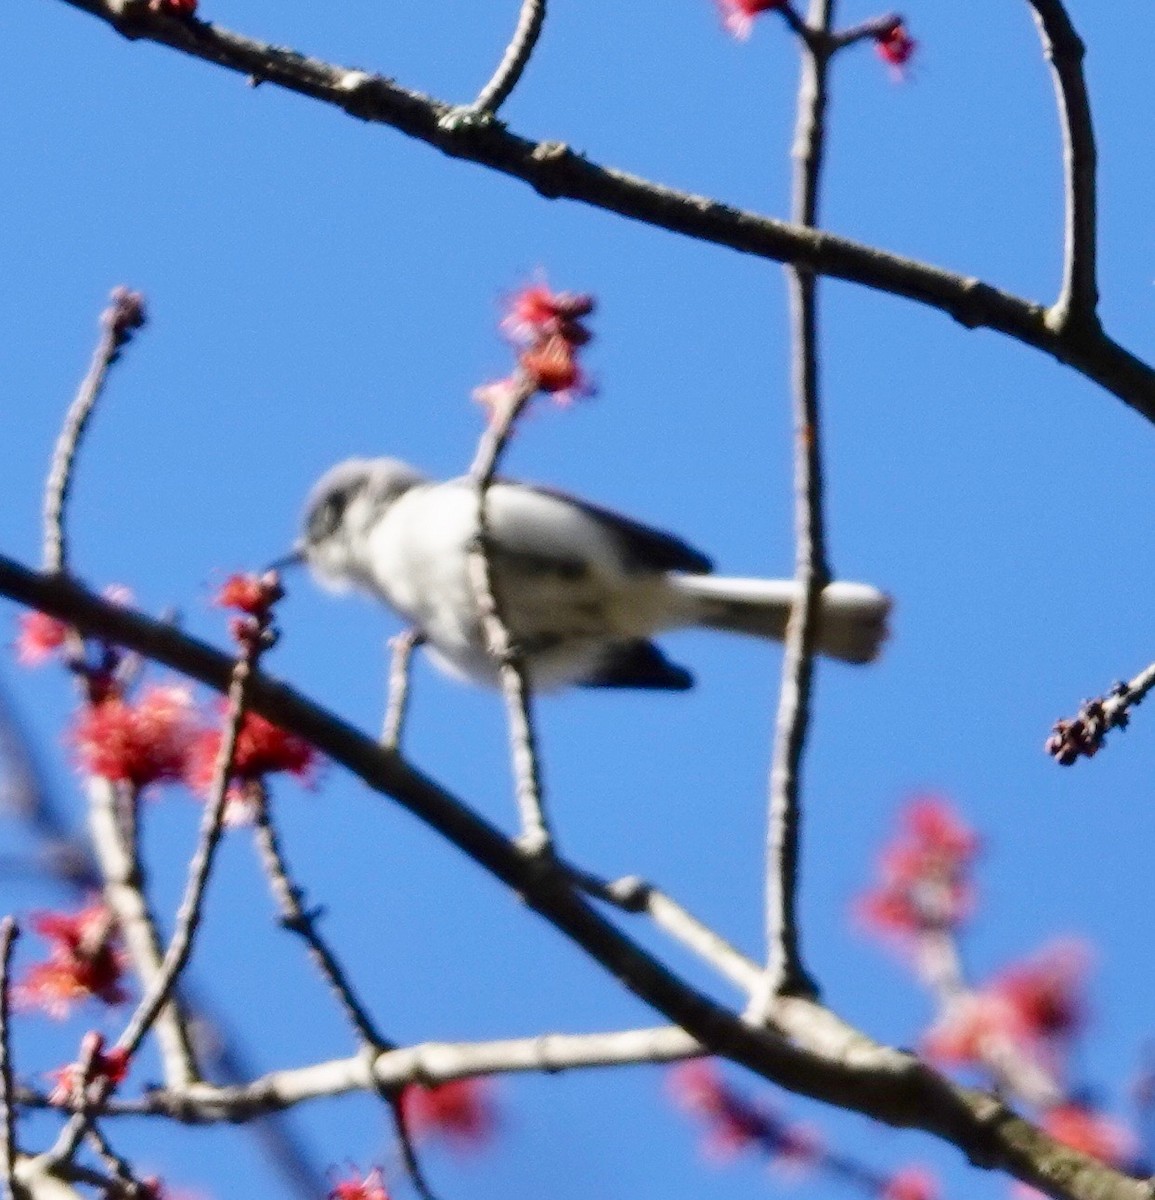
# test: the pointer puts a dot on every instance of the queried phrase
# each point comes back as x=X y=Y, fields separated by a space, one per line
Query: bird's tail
x=852 y=626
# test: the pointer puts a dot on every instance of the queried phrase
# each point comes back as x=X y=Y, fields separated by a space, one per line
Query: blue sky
x=320 y=288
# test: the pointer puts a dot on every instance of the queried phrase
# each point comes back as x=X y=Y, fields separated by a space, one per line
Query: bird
x=582 y=590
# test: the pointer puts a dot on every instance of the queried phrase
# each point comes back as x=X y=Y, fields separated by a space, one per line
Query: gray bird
x=582 y=589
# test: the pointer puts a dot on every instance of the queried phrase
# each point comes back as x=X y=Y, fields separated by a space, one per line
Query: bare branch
x=118 y=322
x=785 y=972
x=512 y=672
x=295 y=918
x=817 y=1054
x=8 y=936
x=516 y=58
x=397 y=708
x=200 y=866
x=635 y=895
x=1085 y=734
x=124 y=893
x=554 y=170
x=1079 y=297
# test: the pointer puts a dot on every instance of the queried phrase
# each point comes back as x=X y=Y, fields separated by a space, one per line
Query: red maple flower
x=461 y=1112
x=738 y=15
x=371 y=1187
x=534 y=313
x=106 y=1066
x=85 y=960
x=1093 y=1133
x=552 y=364
x=971 y=1028
x=735 y=1123
x=142 y=743
x=548 y=329
x=252 y=594
x=896 y=47
x=1046 y=991
x=911 y=1183
x=39 y=638
x=925 y=873
x=262 y=749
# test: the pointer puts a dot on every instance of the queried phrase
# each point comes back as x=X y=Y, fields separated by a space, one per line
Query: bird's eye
x=326 y=517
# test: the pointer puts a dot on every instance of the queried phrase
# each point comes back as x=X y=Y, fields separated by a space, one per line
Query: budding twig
x=535 y=833
x=188 y=917
x=124 y=315
x=1084 y=735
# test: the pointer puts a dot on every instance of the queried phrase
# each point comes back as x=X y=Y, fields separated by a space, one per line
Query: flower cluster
x=738 y=15
x=85 y=961
x=105 y=1068
x=911 y=1183
x=358 y=1187
x=895 y=47
x=925 y=874
x=547 y=329
x=160 y=737
x=39 y=638
x=735 y=1123
x=460 y=1113
x=139 y=743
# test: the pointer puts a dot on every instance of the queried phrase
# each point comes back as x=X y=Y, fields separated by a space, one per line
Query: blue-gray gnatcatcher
x=581 y=589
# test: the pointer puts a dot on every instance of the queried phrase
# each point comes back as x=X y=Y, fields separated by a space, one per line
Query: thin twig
x=865 y=31
x=405 y=1147
x=125 y=894
x=516 y=58
x=796 y=23
x=785 y=973
x=8 y=936
x=200 y=866
x=554 y=170
x=400 y=666
x=635 y=895
x=1079 y=296
x=294 y=917
x=118 y=322
x=1085 y=734
x=118 y=1167
x=512 y=673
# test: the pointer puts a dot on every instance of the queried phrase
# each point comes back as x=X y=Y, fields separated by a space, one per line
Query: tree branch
x=295 y=918
x=507 y=655
x=785 y=972
x=516 y=58
x=554 y=170
x=124 y=893
x=1064 y=49
x=823 y=1057
x=124 y=315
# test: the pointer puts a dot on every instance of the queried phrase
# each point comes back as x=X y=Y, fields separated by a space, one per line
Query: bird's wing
x=642 y=548
x=638 y=664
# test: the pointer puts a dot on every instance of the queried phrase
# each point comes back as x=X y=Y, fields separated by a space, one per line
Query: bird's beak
x=294 y=558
